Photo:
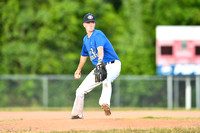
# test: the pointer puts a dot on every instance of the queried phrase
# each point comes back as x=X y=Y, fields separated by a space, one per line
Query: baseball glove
x=100 y=72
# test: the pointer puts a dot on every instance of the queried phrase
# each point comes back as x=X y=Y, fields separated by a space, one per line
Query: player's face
x=89 y=26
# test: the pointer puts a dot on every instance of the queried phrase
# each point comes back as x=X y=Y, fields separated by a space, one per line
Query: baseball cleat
x=76 y=117
x=106 y=109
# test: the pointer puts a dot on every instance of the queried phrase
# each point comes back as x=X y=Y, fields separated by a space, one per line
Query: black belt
x=110 y=62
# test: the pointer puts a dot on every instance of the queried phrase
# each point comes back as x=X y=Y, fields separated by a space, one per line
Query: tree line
x=45 y=37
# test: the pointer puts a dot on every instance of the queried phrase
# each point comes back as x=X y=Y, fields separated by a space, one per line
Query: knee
x=80 y=92
x=106 y=83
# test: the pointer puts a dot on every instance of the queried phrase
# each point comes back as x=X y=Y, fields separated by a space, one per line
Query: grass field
x=154 y=130
x=124 y=120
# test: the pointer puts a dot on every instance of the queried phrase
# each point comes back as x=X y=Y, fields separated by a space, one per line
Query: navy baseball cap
x=89 y=18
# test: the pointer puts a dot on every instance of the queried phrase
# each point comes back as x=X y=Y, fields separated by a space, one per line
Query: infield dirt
x=47 y=121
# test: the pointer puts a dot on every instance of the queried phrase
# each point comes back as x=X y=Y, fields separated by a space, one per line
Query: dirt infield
x=47 y=121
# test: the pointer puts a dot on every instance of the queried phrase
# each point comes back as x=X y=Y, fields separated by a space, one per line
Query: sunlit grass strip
x=12 y=120
x=153 y=130
x=89 y=109
x=35 y=109
x=163 y=118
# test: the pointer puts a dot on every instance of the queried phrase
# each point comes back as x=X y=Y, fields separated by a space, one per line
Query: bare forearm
x=82 y=62
x=77 y=73
x=100 y=52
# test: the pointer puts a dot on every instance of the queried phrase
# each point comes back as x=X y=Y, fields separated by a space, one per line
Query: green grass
x=89 y=109
x=35 y=109
x=12 y=120
x=163 y=118
x=153 y=130
x=169 y=118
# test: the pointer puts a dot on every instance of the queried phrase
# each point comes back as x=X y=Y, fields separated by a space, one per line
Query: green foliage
x=20 y=92
x=143 y=93
x=45 y=37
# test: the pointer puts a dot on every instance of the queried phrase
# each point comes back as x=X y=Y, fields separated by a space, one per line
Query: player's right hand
x=77 y=74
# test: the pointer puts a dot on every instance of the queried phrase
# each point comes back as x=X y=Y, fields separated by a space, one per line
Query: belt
x=110 y=62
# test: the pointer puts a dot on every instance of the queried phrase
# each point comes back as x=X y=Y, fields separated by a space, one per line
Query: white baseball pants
x=88 y=84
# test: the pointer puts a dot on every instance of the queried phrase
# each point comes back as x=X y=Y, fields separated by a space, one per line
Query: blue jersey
x=91 y=44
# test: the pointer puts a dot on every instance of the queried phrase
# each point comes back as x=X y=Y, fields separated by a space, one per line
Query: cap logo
x=90 y=17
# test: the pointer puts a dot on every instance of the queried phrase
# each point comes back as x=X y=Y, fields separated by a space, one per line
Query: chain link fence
x=59 y=91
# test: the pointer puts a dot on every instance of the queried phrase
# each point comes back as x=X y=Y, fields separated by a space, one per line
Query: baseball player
x=102 y=55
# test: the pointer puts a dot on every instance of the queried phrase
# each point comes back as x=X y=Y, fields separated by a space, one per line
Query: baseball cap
x=89 y=18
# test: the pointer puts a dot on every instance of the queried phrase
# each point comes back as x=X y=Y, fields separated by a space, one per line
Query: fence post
x=197 y=92
x=45 y=92
x=176 y=93
x=188 y=94
x=169 y=92
x=117 y=93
